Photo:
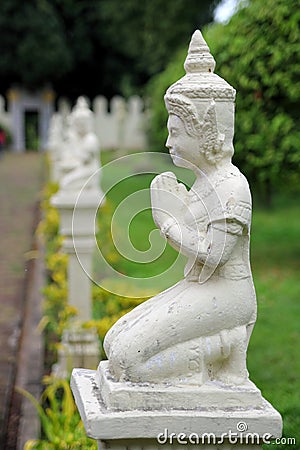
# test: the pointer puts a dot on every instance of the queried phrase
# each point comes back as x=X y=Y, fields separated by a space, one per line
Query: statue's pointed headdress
x=199 y=58
x=81 y=109
x=195 y=98
x=200 y=81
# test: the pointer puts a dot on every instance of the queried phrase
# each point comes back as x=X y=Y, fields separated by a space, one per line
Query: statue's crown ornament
x=199 y=58
x=81 y=109
x=200 y=81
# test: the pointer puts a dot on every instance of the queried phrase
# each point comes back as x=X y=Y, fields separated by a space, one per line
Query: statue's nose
x=168 y=142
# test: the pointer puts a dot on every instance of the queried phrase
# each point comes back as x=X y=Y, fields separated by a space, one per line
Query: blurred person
x=2 y=141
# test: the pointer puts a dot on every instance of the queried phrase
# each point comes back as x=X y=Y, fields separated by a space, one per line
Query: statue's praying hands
x=169 y=200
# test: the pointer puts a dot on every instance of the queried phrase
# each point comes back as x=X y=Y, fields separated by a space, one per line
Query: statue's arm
x=175 y=213
x=213 y=248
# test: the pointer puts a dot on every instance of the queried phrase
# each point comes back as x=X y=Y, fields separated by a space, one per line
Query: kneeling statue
x=198 y=330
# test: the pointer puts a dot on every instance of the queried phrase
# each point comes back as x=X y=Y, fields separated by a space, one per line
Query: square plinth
x=122 y=396
x=103 y=423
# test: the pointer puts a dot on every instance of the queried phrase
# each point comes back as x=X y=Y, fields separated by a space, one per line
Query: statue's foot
x=233 y=369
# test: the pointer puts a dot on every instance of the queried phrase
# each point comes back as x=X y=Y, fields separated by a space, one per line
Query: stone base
x=78 y=211
x=128 y=396
x=106 y=424
x=77 y=348
x=152 y=444
x=89 y=198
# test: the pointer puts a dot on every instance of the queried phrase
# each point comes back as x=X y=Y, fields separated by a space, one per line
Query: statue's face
x=183 y=148
x=82 y=125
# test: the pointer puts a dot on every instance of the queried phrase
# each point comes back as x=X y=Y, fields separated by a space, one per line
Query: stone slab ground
x=21 y=180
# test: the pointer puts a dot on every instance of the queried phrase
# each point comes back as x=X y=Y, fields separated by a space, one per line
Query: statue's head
x=81 y=117
x=204 y=103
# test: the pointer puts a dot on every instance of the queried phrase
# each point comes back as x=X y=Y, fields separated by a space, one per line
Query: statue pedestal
x=139 y=428
x=119 y=396
x=78 y=348
x=78 y=211
x=77 y=224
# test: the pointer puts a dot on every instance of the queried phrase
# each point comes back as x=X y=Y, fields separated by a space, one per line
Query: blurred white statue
x=81 y=150
x=55 y=135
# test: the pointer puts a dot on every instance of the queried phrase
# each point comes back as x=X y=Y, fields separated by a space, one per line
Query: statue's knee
x=108 y=342
x=125 y=359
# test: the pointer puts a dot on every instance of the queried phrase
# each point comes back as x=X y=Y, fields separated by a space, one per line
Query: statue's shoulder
x=235 y=185
x=235 y=197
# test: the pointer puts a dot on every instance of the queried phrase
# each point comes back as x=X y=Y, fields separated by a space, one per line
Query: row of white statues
x=123 y=127
x=118 y=123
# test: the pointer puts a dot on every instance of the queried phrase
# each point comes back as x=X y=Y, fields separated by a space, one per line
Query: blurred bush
x=156 y=89
x=258 y=53
x=60 y=421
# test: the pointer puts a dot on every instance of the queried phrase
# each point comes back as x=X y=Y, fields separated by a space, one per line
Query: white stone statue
x=81 y=158
x=198 y=330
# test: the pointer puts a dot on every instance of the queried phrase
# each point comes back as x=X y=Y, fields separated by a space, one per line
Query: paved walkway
x=21 y=179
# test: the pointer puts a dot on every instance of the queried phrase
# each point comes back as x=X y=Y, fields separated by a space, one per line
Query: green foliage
x=97 y=45
x=33 y=48
x=273 y=360
x=49 y=225
x=156 y=89
x=109 y=307
x=61 y=426
x=92 y=62
x=258 y=53
x=153 y=41
x=57 y=312
x=263 y=63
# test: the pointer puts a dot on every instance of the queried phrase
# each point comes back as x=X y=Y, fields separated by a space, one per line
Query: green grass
x=274 y=351
x=273 y=356
x=142 y=252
